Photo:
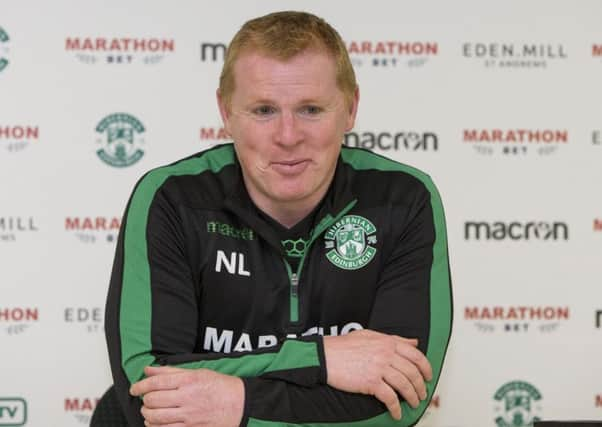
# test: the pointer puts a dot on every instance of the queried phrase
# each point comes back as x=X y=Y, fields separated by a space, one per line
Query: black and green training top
x=200 y=280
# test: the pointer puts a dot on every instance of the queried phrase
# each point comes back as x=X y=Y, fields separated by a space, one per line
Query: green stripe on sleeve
x=135 y=311
x=292 y=355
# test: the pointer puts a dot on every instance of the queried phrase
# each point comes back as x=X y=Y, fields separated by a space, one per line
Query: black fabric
x=108 y=412
x=130 y=404
x=220 y=289
x=294 y=239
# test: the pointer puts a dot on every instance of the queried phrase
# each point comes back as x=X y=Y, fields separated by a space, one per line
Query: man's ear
x=224 y=111
x=353 y=109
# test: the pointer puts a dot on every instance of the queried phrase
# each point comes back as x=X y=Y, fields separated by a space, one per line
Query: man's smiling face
x=287 y=119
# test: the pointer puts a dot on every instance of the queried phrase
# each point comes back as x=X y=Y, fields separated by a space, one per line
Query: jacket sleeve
x=151 y=279
x=413 y=300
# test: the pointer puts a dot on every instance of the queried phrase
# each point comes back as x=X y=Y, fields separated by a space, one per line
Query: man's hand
x=370 y=362
x=185 y=398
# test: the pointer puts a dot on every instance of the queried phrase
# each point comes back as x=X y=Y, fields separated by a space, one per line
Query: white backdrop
x=499 y=101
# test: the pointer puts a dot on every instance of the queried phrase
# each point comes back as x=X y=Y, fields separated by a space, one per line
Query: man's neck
x=288 y=213
x=289 y=218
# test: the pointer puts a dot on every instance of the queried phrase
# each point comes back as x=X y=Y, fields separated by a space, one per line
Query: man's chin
x=289 y=197
x=290 y=194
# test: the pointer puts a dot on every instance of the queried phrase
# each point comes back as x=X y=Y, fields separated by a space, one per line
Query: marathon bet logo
x=88 y=317
x=387 y=54
x=81 y=408
x=213 y=134
x=121 y=137
x=92 y=229
x=11 y=226
x=15 y=138
x=532 y=230
x=213 y=52
x=17 y=319
x=349 y=241
x=393 y=141
x=4 y=49
x=119 y=50
x=515 y=55
x=13 y=411
x=227 y=340
x=515 y=141
x=489 y=319
x=517 y=404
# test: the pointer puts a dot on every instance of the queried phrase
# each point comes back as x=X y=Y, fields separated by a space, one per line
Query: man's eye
x=311 y=110
x=264 y=110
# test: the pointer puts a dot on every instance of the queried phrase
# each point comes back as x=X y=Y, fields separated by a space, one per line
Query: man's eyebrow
x=321 y=100
x=261 y=101
x=312 y=101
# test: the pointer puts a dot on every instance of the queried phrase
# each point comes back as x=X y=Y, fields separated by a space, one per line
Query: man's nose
x=288 y=131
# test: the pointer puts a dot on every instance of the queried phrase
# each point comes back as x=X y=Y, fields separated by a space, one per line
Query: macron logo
x=235 y=264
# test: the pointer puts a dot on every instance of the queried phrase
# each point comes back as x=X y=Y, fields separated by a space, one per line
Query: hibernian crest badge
x=518 y=404
x=351 y=241
x=122 y=140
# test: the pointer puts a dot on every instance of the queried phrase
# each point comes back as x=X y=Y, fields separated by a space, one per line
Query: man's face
x=287 y=120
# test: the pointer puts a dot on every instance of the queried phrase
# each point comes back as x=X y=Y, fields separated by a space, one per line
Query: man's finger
x=150 y=371
x=411 y=341
x=387 y=395
x=162 y=416
x=404 y=387
x=162 y=399
x=412 y=374
x=416 y=357
x=157 y=382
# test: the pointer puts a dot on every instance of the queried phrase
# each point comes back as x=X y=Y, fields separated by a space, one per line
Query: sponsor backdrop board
x=499 y=102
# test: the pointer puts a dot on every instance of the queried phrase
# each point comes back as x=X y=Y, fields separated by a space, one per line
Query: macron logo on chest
x=234 y=264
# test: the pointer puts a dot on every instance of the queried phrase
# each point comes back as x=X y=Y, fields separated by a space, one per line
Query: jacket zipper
x=295 y=277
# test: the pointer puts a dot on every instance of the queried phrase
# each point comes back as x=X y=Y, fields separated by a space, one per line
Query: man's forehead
x=311 y=68
x=251 y=55
x=282 y=54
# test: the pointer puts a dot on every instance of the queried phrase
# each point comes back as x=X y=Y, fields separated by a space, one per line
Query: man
x=281 y=280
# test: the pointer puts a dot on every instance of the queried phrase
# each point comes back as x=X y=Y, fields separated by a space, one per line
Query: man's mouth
x=290 y=167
